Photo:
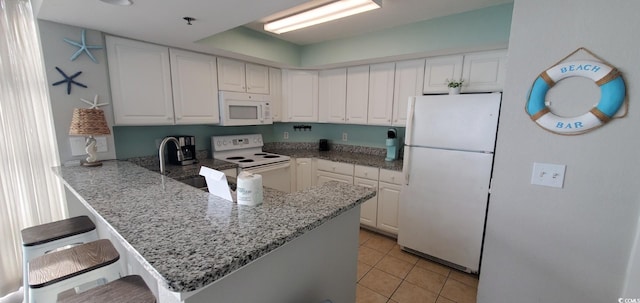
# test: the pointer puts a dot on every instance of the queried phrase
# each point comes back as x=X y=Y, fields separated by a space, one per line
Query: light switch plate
x=546 y=174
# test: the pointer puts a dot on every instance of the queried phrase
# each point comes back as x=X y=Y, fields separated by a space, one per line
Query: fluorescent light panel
x=321 y=14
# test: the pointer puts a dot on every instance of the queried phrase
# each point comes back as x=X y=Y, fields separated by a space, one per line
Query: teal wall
x=486 y=27
x=254 y=44
x=138 y=141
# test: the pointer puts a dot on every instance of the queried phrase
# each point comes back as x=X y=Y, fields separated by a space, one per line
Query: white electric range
x=246 y=152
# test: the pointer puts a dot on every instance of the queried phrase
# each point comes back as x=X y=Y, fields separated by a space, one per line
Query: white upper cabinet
x=300 y=95
x=275 y=93
x=481 y=72
x=195 y=87
x=381 y=79
x=140 y=77
x=357 y=94
x=332 y=95
x=484 y=72
x=440 y=69
x=408 y=82
x=238 y=76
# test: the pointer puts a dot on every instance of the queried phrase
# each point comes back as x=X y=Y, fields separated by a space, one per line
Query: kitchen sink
x=201 y=183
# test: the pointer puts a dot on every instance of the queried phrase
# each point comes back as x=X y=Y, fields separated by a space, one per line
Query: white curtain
x=30 y=193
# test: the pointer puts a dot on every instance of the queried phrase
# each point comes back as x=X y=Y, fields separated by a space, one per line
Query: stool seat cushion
x=60 y=265
x=129 y=289
x=40 y=234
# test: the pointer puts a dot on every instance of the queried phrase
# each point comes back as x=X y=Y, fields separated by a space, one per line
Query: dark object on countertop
x=391 y=133
x=323 y=145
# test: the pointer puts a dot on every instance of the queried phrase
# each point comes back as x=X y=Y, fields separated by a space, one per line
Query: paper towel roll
x=249 y=190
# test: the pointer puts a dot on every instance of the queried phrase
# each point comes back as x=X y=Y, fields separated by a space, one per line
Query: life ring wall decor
x=612 y=97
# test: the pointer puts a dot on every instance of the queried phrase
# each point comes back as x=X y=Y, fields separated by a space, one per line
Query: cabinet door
x=408 y=82
x=140 y=77
x=195 y=87
x=369 y=209
x=381 y=77
x=484 y=72
x=257 y=78
x=231 y=75
x=324 y=177
x=300 y=95
x=304 y=176
x=388 y=206
x=275 y=93
x=357 y=94
x=440 y=69
x=332 y=95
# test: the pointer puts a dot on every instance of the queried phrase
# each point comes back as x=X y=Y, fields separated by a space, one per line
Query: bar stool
x=129 y=289
x=58 y=271
x=40 y=239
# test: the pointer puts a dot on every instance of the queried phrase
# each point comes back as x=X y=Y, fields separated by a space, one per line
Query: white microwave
x=244 y=109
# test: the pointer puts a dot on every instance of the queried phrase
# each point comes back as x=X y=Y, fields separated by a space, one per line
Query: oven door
x=276 y=176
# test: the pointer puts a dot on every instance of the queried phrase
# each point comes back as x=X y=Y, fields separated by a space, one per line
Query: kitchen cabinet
x=357 y=94
x=332 y=95
x=304 y=173
x=409 y=78
x=140 y=77
x=155 y=85
x=194 y=81
x=367 y=177
x=484 y=71
x=300 y=95
x=389 y=188
x=440 y=69
x=239 y=76
x=381 y=84
x=275 y=93
x=333 y=171
x=481 y=72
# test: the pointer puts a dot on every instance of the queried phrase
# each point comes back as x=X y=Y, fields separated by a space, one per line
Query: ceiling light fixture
x=328 y=12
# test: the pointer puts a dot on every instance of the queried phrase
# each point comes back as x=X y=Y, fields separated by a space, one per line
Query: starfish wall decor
x=95 y=103
x=68 y=80
x=83 y=47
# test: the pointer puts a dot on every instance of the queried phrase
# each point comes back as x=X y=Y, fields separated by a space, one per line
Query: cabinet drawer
x=335 y=167
x=366 y=172
x=391 y=176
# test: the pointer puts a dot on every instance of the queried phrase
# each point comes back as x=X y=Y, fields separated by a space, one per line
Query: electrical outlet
x=101 y=144
x=286 y=135
x=344 y=137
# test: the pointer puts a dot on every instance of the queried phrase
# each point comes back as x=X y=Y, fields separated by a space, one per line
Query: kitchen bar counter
x=188 y=239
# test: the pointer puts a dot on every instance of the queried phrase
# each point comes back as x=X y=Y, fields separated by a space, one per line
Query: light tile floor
x=388 y=274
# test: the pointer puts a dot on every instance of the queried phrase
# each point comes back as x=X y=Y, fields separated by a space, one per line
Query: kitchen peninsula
x=191 y=246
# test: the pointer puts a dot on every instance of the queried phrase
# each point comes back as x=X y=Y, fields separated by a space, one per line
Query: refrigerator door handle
x=409 y=129
x=408 y=138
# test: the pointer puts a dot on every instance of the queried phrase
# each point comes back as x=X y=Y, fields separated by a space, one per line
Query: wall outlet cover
x=546 y=174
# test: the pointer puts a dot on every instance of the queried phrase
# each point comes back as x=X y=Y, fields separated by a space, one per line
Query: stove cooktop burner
x=235 y=158
x=271 y=156
x=259 y=154
x=246 y=160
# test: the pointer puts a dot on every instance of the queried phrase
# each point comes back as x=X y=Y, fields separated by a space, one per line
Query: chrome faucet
x=161 y=151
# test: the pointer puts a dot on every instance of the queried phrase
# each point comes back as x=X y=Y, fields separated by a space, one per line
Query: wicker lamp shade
x=89 y=122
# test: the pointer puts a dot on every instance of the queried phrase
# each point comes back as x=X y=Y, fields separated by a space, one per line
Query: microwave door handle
x=260 y=114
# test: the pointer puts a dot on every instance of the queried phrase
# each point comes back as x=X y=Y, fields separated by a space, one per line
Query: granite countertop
x=188 y=238
x=341 y=156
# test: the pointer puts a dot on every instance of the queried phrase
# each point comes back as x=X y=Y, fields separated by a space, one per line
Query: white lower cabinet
x=333 y=171
x=381 y=211
x=303 y=174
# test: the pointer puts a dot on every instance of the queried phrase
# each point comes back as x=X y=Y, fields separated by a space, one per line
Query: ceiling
x=161 y=21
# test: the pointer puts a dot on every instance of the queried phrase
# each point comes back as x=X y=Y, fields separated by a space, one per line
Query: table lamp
x=89 y=122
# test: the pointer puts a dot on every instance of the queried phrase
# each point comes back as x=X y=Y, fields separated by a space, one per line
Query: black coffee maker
x=188 y=146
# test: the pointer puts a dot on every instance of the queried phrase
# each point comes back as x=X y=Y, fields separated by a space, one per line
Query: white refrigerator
x=448 y=159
